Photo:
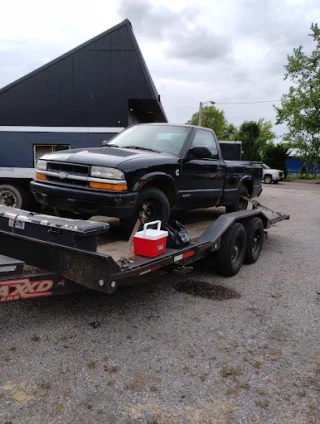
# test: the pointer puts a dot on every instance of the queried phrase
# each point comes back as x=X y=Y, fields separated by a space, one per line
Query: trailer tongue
x=69 y=252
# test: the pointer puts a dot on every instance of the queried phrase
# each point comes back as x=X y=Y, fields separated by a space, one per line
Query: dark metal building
x=93 y=85
x=79 y=99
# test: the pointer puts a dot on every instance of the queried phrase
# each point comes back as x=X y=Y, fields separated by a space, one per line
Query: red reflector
x=188 y=254
x=155 y=268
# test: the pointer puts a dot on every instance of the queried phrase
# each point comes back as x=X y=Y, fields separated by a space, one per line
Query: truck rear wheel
x=229 y=258
x=13 y=196
x=255 y=237
x=240 y=204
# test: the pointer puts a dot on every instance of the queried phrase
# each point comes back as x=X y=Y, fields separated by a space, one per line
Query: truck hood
x=272 y=170
x=102 y=156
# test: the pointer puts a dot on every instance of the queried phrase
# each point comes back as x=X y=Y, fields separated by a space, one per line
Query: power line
x=249 y=103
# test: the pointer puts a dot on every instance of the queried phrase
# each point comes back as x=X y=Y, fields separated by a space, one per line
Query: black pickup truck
x=165 y=167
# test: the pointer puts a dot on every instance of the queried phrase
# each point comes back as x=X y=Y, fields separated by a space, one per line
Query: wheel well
x=267 y=175
x=249 y=186
x=165 y=186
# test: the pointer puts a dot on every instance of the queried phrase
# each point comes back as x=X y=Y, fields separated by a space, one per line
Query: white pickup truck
x=271 y=175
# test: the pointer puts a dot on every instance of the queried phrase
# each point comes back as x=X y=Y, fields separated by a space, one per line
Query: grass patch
x=262 y=403
x=228 y=371
x=296 y=177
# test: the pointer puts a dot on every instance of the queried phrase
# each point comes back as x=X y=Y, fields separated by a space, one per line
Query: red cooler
x=150 y=242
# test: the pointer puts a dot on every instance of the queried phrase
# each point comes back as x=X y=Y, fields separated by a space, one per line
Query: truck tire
x=255 y=236
x=229 y=258
x=158 y=208
x=16 y=197
x=267 y=179
x=240 y=204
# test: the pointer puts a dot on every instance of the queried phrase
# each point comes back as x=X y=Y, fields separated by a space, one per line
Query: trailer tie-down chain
x=256 y=204
x=124 y=262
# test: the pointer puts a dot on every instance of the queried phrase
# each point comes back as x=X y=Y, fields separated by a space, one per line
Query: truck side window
x=206 y=139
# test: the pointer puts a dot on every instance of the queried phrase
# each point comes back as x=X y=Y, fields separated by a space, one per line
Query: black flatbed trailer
x=69 y=252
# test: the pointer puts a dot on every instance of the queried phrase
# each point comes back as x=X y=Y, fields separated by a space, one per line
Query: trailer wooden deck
x=115 y=244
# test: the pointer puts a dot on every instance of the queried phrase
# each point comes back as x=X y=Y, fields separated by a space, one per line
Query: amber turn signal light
x=110 y=187
x=41 y=177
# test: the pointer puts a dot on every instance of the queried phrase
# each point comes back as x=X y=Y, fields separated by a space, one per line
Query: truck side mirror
x=201 y=152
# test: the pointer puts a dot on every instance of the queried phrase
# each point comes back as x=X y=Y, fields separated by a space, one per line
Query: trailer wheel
x=255 y=236
x=15 y=197
x=230 y=256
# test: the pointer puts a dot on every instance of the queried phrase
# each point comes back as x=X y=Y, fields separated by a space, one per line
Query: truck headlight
x=42 y=165
x=276 y=173
x=104 y=172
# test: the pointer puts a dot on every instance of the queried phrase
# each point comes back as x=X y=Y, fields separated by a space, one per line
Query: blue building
x=294 y=165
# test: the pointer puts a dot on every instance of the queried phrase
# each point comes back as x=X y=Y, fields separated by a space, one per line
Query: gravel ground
x=197 y=349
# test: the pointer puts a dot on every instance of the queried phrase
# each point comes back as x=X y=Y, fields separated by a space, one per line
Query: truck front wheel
x=15 y=197
x=157 y=207
x=268 y=179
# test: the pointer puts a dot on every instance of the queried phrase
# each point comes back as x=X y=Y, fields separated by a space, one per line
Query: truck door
x=202 y=180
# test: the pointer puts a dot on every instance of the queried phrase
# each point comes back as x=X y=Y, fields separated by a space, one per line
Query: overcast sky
x=226 y=51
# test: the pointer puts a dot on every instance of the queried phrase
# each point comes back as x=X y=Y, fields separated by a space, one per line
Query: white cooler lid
x=151 y=234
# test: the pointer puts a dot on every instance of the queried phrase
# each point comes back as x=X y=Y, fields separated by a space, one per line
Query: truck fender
x=157 y=178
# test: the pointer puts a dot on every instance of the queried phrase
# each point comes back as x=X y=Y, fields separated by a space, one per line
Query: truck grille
x=69 y=168
x=65 y=173
x=281 y=174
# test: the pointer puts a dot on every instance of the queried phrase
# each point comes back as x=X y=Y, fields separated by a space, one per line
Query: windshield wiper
x=140 y=148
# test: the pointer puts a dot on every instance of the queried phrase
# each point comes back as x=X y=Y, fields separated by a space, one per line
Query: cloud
x=200 y=44
x=230 y=51
x=183 y=38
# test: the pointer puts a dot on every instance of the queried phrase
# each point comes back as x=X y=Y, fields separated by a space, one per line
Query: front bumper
x=90 y=201
x=277 y=177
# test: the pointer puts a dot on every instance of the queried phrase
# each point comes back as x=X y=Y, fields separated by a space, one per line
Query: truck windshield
x=157 y=138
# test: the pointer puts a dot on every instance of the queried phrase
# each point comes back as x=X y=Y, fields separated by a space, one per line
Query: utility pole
x=200 y=115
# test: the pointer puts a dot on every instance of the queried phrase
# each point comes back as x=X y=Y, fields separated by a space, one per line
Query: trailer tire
x=240 y=204
x=13 y=196
x=255 y=236
x=229 y=258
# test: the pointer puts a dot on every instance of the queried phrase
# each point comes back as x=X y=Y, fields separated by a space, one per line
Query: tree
x=249 y=133
x=300 y=107
x=229 y=132
x=266 y=134
x=275 y=156
x=211 y=118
